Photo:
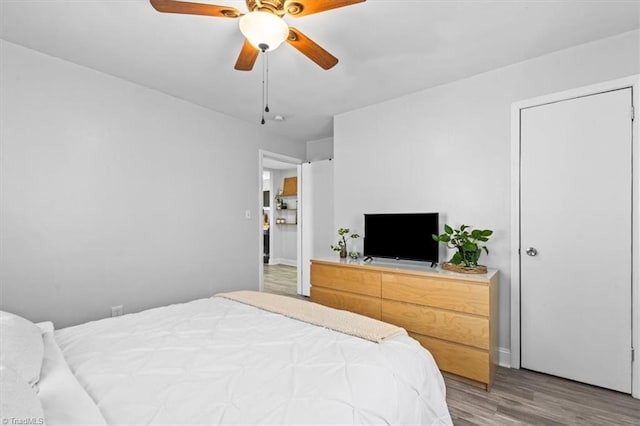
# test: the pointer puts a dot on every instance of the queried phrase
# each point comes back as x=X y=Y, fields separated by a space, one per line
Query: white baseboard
x=288 y=262
x=504 y=357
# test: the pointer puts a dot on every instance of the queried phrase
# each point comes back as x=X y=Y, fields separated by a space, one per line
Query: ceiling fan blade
x=247 y=57
x=172 y=6
x=310 y=49
x=298 y=8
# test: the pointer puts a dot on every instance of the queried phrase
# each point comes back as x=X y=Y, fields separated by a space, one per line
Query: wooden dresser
x=454 y=316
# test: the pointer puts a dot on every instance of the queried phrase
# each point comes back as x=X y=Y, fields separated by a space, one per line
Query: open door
x=317 y=231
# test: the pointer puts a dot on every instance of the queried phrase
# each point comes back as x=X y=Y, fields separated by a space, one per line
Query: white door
x=317 y=216
x=575 y=206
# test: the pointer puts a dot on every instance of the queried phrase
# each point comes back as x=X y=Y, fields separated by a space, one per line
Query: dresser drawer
x=447 y=325
x=435 y=292
x=363 y=305
x=346 y=279
x=457 y=359
x=454 y=316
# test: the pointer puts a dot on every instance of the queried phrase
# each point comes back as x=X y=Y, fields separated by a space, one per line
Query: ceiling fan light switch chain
x=266 y=79
x=265 y=84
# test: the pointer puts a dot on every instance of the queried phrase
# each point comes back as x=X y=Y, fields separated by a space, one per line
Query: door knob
x=532 y=251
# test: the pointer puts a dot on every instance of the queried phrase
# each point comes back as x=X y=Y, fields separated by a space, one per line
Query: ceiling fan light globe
x=264 y=28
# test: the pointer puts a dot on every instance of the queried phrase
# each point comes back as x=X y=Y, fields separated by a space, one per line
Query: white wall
x=447 y=149
x=112 y=193
x=320 y=149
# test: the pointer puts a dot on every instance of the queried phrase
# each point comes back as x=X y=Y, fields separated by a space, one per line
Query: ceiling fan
x=263 y=27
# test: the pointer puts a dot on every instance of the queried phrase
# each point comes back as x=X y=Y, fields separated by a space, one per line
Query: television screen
x=401 y=236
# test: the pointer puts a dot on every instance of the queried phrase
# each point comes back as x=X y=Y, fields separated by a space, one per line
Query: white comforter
x=214 y=361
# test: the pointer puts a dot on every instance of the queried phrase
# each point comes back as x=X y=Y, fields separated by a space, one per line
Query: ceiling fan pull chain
x=266 y=102
x=263 y=86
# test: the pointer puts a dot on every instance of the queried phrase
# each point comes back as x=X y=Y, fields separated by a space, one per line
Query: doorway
x=575 y=226
x=280 y=225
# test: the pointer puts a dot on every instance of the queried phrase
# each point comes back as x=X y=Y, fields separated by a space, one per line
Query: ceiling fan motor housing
x=277 y=7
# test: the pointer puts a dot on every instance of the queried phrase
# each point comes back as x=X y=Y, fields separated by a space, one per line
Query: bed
x=222 y=360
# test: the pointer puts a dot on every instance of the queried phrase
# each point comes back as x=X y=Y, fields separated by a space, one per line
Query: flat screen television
x=404 y=236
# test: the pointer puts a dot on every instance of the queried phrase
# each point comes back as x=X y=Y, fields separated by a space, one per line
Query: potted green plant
x=341 y=246
x=468 y=243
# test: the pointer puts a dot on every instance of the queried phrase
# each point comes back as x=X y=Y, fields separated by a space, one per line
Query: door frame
x=632 y=82
x=295 y=162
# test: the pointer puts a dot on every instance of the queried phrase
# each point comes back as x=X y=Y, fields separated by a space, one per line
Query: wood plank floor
x=522 y=397
x=518 y=397
x=281 y=279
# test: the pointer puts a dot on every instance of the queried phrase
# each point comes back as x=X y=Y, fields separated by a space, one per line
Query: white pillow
x=19 y=400
x=21 y=346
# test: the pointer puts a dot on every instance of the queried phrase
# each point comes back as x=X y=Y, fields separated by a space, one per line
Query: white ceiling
x=387 y=48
